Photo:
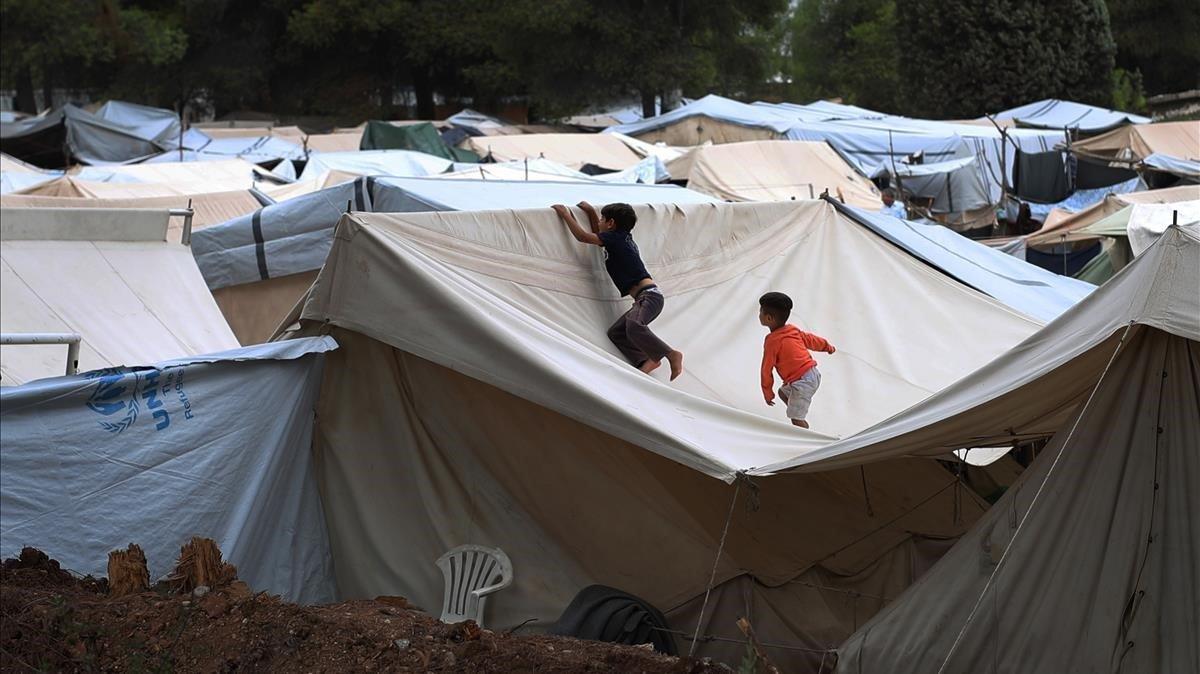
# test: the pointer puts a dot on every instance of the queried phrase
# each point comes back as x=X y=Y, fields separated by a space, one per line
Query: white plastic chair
x=472 y=572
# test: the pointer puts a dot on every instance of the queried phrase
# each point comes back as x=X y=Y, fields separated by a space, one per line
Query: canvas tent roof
x=953 y=186
x=1184 y=168
x=259 y=265
x=1031 y=390
x=108 y=275
x=222 y=451
x=117 y=132
x=573 y=150
x=1136 y=142
x=374 y=162
x=1088 y=560
x=422 y=137
x=1027 y=288
x=777 y=171
x=1055 y=114
x=712 y=118
x=1053 y=232
x=210 y=208
x=612 y=487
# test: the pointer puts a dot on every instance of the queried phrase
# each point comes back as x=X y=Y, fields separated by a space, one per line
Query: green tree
x=74 y=42
x=846 y=49
x=1159 y=39
x=963 y=58
x=567 y=54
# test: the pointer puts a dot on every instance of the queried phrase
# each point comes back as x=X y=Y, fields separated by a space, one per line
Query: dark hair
x=776 y=305
x=622 y=214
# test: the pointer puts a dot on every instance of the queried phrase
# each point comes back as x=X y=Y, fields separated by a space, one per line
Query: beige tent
x=109 y=275
x=1134 y=142
x=153 y=180
x=1089 y=563
x=573 y=150
x=503 y=416
x=778 y=171
x=1065 y=228
x=210 y=209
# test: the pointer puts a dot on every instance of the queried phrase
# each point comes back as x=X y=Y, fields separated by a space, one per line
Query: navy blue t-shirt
x=622 y=260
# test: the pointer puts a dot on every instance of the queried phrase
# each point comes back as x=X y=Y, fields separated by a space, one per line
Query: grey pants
x=631 y=333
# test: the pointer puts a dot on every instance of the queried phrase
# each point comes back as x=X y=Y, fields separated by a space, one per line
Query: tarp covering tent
x=421 y=137
x=574 y=150
x=155 y=180
x=1065 y=229
x=777 y=171
x=259 y=265
x=210 y=208
x=109 y=275
x=53 y=139
x=1188 y=169
x=374 y=162
x=1055 y=114
x=952 y=186
x=1136 y=142
x=214 y=445
x=611 y=487
x=1089 y=562
x=529 y=169
x=1024 y=287
x=710 y=119
x=260 y=150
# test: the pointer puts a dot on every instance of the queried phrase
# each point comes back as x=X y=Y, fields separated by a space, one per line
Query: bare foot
x=649 y=366
x=801 y=424
x=675 y=359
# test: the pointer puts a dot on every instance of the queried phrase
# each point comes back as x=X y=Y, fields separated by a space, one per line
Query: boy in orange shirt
x=786 y=350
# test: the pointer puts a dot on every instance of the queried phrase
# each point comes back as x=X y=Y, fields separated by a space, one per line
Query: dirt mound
x=51 y=621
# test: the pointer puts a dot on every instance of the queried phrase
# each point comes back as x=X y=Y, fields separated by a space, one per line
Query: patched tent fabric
x=573 y=150
x=585 y=470
x=1056 y=114
x=259 y=265
x=216 y=445
x=421 y=137
x=1136 y=142
x=777 y=171
x=1024 y=287
x=109 y=275
x=1089 y=562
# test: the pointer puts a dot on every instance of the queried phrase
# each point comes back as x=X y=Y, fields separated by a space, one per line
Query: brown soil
x=52 y=621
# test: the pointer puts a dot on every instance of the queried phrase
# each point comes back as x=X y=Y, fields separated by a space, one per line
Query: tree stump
x=127 y=571
x=200 y=564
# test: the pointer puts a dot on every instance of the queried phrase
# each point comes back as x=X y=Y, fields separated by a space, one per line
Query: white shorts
x=800 y=393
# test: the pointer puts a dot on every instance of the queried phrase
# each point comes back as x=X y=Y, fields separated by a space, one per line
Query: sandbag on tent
x=505 y=418
x=214 y=445
x=109 y=275
x=777 y=170
x=1089 y=562
x=259 y=265
x=421 y=137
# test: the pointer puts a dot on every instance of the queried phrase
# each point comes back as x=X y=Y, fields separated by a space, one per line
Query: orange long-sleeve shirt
x=786 y=350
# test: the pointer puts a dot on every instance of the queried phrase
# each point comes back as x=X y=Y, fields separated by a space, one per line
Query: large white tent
x=109 y=275
x=505 y=418
x=1089 y=563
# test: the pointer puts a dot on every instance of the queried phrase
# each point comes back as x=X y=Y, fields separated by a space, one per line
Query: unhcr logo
x=120 y=397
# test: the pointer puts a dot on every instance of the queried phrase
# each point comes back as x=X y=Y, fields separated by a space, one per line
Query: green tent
x=1116 y=253
x=421 y=137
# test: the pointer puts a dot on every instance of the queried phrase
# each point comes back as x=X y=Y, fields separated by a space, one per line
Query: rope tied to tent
x=1032 y=503
x=738 y=479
